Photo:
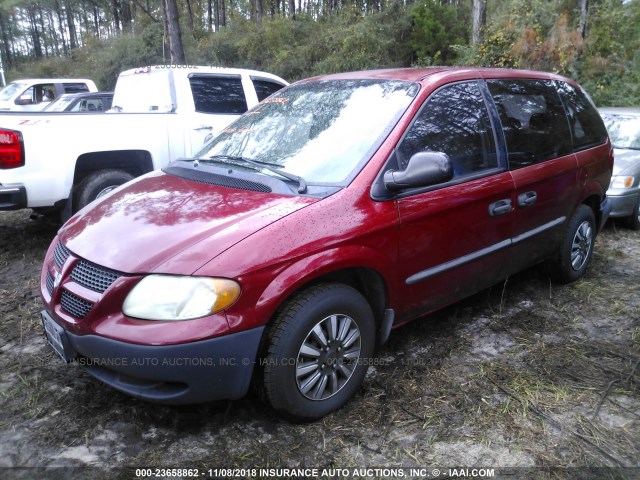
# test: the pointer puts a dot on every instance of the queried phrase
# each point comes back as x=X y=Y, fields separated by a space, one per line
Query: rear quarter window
x=75 y=87
x=587 y=128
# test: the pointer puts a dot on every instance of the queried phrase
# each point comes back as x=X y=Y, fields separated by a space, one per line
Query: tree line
x=597 y=42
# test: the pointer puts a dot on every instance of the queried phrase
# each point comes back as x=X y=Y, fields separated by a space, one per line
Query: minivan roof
x=419 y=74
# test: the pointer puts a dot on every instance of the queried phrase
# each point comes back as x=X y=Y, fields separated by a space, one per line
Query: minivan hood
x=154 y=224
x=626 y=161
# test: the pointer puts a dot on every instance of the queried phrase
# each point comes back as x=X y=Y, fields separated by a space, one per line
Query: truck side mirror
x=423 y=169
x=24 y=101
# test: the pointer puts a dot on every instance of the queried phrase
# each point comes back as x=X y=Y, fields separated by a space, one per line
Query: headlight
x=165 y=297
x=619 y=181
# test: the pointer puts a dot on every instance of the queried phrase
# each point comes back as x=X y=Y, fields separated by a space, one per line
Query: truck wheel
x=576 y=249
x=633 y=220
x=98 y=184
x=318 y=351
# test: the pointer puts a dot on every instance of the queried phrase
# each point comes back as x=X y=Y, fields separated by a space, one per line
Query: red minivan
x=337 y=209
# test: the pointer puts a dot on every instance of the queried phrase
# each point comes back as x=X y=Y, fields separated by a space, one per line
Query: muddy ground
x=525 y=374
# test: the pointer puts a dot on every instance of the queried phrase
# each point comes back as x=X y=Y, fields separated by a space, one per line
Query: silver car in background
x=623 y=125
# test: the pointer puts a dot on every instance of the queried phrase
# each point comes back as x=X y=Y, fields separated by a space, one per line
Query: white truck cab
x=60 y=162
x=33 y=94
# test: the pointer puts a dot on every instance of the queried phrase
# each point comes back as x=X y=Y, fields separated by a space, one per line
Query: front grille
x=74 y=305
x=60 y=255
x=49 y=281
x=94 y=277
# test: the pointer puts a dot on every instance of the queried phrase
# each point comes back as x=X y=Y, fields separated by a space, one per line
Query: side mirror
x=424 y=169
x=24 y=101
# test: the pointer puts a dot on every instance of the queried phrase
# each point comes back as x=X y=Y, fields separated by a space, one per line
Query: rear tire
x=318 y=351
x=97 y=184
x=576 y=248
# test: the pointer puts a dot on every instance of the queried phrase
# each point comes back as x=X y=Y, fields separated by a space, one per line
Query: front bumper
x=605 y=211
x=13 y=197
x=214 y=369
x=623 y=203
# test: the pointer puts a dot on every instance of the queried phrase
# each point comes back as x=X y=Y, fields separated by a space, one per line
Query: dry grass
x=526 y=373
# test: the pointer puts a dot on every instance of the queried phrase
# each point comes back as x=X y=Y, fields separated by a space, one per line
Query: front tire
x=633 y=220
x=97 y=184
x=576 y=249
x=318 y=350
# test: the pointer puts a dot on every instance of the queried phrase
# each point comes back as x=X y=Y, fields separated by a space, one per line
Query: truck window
x=533 y=120
x=265 y=87
x=587 y=128
x=219 y=94
x=76 y=87
x=43 y=92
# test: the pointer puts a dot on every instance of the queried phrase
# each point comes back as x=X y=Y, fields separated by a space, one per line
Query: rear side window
x=533 y=120
x=264 y=87
x=220 y=94
x=75 y=87
x=454 y=121
x=587 y=127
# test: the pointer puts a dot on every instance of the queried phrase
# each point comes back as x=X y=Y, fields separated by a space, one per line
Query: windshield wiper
x=302 y=184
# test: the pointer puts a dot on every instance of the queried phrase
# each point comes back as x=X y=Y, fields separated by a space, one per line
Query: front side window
x=322 y=131
x=533 y=120
x=454 y=121
x=218 y=94
x=586 y=125
x=44 y=92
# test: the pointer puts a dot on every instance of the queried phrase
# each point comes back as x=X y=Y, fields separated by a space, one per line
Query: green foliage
x=610 y=69
x=437 y=27
x=308 y=47
x=100 y=60
x=536 y=34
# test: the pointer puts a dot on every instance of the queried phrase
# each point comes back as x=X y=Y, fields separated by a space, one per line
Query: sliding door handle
x=527 y=199
x=500 y=207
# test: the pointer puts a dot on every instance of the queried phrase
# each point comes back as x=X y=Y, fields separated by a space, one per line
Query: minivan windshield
x=10 y=90
x=624 y=130
x=59 y=104
x=322 y=132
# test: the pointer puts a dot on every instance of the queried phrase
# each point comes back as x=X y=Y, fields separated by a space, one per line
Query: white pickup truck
x=60 y=162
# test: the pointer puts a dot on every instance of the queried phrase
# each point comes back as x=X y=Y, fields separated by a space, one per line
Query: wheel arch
x=593 y=202
x=364 y=271
x=134 y=162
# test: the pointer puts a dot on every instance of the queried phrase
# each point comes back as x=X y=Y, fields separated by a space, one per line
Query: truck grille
x=60 y=255
x=74 y=305
x=94 y=277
